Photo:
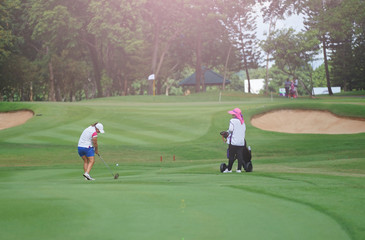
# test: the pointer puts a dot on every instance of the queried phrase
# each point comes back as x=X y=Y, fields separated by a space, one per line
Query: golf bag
x=247 y=156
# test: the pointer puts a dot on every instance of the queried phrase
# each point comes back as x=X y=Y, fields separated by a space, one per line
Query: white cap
x=100 y=127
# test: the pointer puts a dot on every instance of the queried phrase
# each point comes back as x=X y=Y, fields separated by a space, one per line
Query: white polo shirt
x=237 y=132
x=86 y=137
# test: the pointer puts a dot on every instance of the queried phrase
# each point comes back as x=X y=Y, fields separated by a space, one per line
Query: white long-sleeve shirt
x=237 y=132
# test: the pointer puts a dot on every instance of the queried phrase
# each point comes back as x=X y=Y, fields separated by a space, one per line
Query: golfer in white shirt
x=236 y=139
x=88 y=146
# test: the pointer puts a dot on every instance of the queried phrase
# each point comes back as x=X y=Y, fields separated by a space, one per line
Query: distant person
x=236 y=140
x=287 y=87
x=88 y=146
x=296 y=81
x=292 y=90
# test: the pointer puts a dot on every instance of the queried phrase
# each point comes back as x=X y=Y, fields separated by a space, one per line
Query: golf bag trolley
x=247 y=155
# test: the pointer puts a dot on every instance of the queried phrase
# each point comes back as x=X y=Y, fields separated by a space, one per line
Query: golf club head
x=116 y=176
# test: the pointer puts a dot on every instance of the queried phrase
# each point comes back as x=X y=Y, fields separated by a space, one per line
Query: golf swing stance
x=88 y=146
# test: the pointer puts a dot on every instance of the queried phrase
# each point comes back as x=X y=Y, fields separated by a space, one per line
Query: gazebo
x=210 y=78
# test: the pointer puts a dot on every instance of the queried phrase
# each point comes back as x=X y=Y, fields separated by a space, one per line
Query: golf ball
x=117 y=164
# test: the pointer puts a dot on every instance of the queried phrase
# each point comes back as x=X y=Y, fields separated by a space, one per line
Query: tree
x=340 y=27
x=54 y=28
x=316 y=12
x=280 y=8
x=208 y=36
x=346 y=26
x=272 y=11
x=7 y=42
x=164 y=25
x=114 y=36
x=292 y=51
x=272 y=26
x=319 y=77
x=7 y=39
x=242 y=28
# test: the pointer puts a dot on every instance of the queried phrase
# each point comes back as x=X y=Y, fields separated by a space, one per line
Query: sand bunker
x=12 y=119
x=307 y=121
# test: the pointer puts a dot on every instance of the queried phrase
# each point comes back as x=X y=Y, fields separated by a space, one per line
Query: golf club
x=116 y=175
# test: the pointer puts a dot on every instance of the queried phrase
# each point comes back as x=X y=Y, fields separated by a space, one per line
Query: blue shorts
x=88 y=152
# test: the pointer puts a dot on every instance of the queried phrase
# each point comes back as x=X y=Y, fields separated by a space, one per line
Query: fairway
x=168 y=151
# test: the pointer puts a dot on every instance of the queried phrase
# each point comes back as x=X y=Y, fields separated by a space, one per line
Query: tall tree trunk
x=51 y=90
x=157 y=70
x=120 y=84
x=96 y=66
x=58 y=91
x=245 y=61
x=272 y=24
x=325 y=56
x=203 y=79
x=157 y=67
x=30 y=92
x=125 y=87
x=326 y=66
x=152 y=83
x=246 y=69
x=306 y=88
x=225 y=67
x=155 y=47
x=198 y=66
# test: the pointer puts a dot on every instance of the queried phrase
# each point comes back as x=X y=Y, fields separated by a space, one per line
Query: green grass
x=304 y=186
x=360 y=93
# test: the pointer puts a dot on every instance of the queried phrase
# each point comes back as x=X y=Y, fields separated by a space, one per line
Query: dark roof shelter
x=210 y=78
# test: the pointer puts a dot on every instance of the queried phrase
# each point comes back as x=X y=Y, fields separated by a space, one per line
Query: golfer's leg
x=232 y=155
x=85 y=162
x=90 y=164
x=240 y=157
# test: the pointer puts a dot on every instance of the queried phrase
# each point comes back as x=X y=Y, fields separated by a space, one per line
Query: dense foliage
x=73 y=50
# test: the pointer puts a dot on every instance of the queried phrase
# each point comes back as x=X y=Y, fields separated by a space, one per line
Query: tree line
x=80 y=49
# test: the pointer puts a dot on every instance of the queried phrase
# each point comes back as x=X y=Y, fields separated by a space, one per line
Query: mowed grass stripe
x=132 y=127
x=162 y=131
x=47 y=137
x=127 y=131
